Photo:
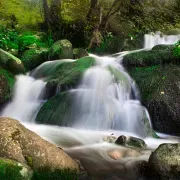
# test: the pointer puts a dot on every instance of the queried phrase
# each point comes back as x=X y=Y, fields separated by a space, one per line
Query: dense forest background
x=100 y=25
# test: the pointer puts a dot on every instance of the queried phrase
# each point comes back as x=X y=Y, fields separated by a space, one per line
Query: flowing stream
x=106 y=103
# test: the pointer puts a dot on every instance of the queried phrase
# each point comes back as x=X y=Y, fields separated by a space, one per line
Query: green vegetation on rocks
x=33 y=58
x=12 y=170
x=6 y=85
x=61 y=49
x=11 y=63
x=68 y=75
x=79 y=53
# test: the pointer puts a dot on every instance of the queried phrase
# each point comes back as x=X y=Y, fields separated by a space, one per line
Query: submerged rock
x=61 y=49
x=11 y=63
x=164 y=162
x=13 y=170
x=131 y=142
x=22 y=145
x=33 y=58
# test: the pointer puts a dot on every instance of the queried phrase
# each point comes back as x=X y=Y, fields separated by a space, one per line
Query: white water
x=151 y=40
x=26 y=100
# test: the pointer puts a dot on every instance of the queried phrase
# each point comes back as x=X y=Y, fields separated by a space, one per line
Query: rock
x=14 y=52
x=172 y=32
x=6 y=85
x=33 y=58
x=79 y=53
x=11 y=63
x=131 y=142
x=68 y=75
x=160 y=90
x=22 y=145
x=61 y=49
x=150 y=58
x=117 y=154
x=164 y=162
x=110 y=139
x=12 y=170
x=163 y=47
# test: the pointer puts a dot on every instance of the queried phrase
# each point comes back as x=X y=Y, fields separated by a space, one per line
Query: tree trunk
x=46 y=14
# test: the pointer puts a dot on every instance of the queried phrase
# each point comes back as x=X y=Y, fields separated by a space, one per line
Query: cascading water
x=151 y=40
x=104 y=99
x=26 y=101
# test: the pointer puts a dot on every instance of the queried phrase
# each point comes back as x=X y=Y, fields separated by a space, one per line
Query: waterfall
x=26 y=99
x=151 y=40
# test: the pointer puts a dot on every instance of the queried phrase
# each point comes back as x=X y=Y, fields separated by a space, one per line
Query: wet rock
x=164 y=162
x=131 y=142
x=33 y=58
x=11 y=63
x=79 y=53
x=110 y=139
x=160 y=90
x=61 y=49
x=22 y=145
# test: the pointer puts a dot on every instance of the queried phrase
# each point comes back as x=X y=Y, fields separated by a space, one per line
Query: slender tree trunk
x=46 y=14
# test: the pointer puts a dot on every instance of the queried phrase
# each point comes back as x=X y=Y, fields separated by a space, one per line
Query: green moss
x=68 y=75
x=6 y=85
x=12 y=170
x=56 y=175
x=33 y=58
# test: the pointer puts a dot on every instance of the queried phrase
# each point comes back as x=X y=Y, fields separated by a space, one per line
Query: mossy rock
x=131 y=142
x=68 y=74
x=61 y=49
x=79 y=53
x=12 y=170
x=55 y=175
x=57 y=110
x=11 y=63
x=164 y=162
x=150 y=58
x=33 y=58
x=160 y=90
x=163 y=47
x=172 y=32
x=6 y=85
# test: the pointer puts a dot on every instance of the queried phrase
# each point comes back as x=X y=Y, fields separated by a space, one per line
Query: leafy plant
x=177 y=49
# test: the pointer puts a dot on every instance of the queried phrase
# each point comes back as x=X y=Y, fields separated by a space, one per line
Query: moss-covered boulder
x=79 y=53
x=163 y=47
x=33 y=58
x=150 y=58
x=12 y=170
x=11 y=63
x=6 y=85
x=164 y=162
x=131 y=142
x=160 y=90
x=61 y=49
x=58 y=110
x=68 y=74
x=24 y=146
x=172 y=32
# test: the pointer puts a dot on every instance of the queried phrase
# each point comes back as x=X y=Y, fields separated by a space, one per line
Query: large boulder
x=24 y=146
x=11 y=63
x=164 y=162
x=61 y=49
x=13 y=170
x=150 y=58
x=33 y=58
x=160 y=90
x=68 y=74
x=6 y=85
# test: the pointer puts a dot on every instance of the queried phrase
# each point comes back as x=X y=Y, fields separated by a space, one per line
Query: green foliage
x=177 y=49
x=8 y=39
